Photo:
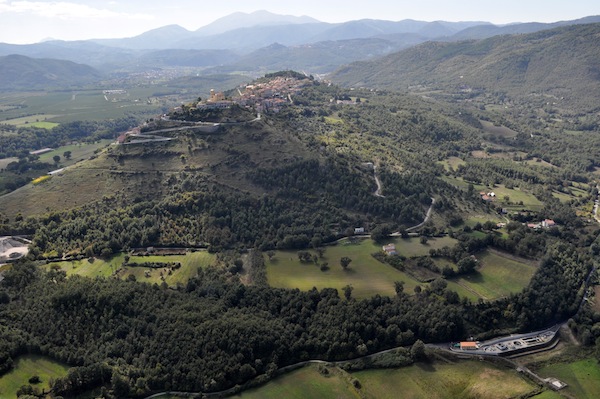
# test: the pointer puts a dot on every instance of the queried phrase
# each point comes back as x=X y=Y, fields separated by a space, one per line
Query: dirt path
x=378 y=182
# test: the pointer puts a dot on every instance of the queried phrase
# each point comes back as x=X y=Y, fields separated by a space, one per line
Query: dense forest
x=215 y=333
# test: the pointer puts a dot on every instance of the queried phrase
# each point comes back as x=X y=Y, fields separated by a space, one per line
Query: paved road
x=442 y=346
x=427 y=216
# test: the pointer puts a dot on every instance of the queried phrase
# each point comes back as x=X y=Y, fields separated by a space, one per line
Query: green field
x=40 y=121
x=452 y=163
x=79 y=152
x=26 y=367
x=515 y=195
x=411 y=247
x=497 y=276
x=333 y=121
x=190 y=263
x=59 y=107
x=465 y=379
x=582 y=377
x=5 y=161
x=367 y=275
x=502 y=131
x=306 y=382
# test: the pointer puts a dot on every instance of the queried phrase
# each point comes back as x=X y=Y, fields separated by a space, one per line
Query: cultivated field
x=190 y=262
x=40 y=121
x=582 y=377
x=497 y=276
x=59 y=107
x=25 y=368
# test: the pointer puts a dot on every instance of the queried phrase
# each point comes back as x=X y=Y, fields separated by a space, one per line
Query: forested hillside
x=316 y=164
x=18 y=72
x=558 y=66
x=213 y=333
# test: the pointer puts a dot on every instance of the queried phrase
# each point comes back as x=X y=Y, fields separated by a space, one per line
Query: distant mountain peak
x=248 y=20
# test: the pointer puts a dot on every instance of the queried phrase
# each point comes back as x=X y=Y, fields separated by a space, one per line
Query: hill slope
x=561 y=63
x=20 y=72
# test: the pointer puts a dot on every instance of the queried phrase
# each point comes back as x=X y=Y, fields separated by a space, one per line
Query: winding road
x=445 y=347
x=377 y=193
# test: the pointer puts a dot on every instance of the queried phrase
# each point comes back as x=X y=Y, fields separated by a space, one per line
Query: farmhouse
x=359 y=230
x=390 y=249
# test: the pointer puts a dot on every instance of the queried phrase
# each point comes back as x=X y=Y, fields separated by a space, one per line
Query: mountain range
x=253 y=44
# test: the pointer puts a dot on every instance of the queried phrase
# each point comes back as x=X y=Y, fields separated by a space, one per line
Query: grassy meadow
x=190 y=262
x=515 y=195
x=465 y=379
x=497 y=276
x=365 y=274
x=25 y=368
x=582 y=377
x=452 y=163
x=502 y=131
x=306 y=382
x=5 y=161
x=39 y=121
x=79 y=152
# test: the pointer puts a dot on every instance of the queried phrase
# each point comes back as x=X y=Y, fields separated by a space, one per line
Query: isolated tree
x=348 y=291
x=56 y=159
x=270 y=254
x=417 y=350
x=381 y=232
x=345 y=262
x=67 y=154
x=466 y=264
x=399 y=287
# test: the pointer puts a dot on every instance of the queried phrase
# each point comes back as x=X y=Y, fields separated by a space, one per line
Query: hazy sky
x=34 y=20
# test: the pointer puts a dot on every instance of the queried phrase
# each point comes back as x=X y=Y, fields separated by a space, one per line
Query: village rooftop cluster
x=268 y=96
